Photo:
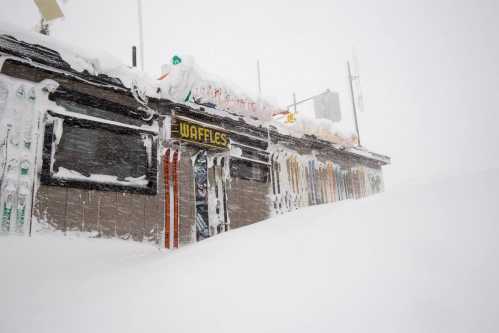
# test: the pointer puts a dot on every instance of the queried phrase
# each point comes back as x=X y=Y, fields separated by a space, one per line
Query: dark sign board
x=204 y=135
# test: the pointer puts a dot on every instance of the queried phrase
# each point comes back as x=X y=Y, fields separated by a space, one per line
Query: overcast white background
x=429 y=69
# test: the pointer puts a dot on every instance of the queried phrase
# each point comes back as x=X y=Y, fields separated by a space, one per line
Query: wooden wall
x=105 y=214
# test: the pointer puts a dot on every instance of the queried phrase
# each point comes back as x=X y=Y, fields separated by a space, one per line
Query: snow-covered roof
x=64 y=56
x=48 y=51
x=363 y=152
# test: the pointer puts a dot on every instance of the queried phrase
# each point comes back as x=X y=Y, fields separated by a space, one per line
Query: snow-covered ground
x=420 y=260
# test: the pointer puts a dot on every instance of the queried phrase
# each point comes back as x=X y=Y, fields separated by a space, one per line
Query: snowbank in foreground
x=423 y=260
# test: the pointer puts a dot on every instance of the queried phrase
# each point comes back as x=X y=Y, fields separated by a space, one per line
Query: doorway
x=200 y=169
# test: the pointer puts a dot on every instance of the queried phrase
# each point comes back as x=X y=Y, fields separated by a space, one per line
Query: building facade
x=83 y=153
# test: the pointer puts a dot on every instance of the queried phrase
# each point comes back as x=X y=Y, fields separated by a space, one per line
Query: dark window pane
x=99 y=113
x=249 y=170
x=102 y=151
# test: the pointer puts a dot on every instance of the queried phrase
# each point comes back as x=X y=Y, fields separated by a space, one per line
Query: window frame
x=48 y=155
x=262 y=166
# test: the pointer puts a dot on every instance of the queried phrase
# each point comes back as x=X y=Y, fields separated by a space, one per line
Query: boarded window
x=101 y=151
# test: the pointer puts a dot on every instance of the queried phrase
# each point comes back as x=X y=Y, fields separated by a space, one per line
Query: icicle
x=143 y=100
x=21 y=91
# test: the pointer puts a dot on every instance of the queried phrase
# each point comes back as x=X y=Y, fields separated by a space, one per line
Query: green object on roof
x=176 y=60
x=188 y=96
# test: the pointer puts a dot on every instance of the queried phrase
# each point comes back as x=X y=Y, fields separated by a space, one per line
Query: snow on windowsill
x=66 y=174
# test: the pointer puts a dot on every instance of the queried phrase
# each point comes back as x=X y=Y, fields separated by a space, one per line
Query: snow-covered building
x=86 y=146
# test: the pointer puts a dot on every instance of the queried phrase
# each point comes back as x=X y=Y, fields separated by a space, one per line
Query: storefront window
x=249 y=170
x=88 y=154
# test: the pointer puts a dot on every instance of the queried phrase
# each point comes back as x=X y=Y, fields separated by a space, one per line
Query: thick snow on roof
x=89 y=60
x=323 y=129
x=185 y=83
x=362 y=151
x=422 y=259
x=184 y=80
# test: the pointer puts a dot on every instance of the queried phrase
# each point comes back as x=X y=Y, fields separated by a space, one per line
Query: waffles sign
x=200 y=134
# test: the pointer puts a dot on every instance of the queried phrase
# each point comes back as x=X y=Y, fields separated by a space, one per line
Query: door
x=200 y=169
x=220 y=218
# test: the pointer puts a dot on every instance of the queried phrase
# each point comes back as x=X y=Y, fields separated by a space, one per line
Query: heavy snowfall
x=419 y=259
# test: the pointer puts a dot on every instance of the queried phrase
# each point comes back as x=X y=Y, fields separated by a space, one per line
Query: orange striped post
x=166 y=175
x=175 y=201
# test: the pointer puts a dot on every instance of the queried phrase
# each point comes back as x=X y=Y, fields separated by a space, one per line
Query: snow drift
x=419 y=260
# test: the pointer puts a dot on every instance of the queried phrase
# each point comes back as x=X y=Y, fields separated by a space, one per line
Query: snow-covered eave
x=221 y=113
x=84 y=79
x=217 y=116
x=382 y=159
x=37 y=45
x=75 y=75
x=319 y=144
x=66 y=70
x=362 y=153
x=215 y=113
x=100 y=69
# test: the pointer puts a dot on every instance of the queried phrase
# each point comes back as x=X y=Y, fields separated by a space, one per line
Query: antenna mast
x=259 y=79
x=350 y=80
x=141 y=35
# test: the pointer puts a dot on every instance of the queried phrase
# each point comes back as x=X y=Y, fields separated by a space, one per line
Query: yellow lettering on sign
x=200 y=134
x=194 y=135
x=199 y=131
x=212 y=140
x=207 y=133
x=210 y=135
x=184 y=130
x=223 y=138
x=206 y=137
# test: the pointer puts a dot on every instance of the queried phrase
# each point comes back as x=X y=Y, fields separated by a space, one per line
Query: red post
x=166 y=175
x=175 y=201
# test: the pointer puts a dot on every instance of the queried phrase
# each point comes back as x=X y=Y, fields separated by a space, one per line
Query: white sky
x=429 y=69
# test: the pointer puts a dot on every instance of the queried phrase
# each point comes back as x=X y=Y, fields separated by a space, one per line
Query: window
x=90 y=154
x=249 y=170
x=121 y=115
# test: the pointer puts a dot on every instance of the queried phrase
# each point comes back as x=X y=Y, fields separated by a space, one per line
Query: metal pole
x=134 y=56
x=350 y=79
x=294 y=102
x=141 y=35
x=44 y=27
x=307 y=99
x=259 y=79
